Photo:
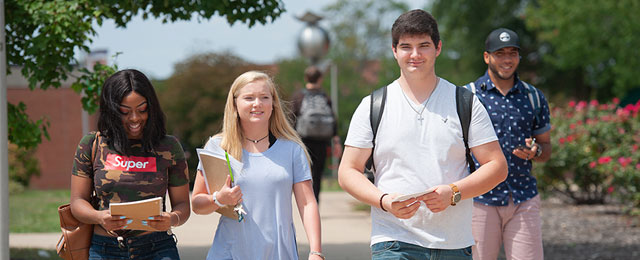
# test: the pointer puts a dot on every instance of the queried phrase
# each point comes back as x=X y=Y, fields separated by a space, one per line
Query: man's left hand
x=439 y=199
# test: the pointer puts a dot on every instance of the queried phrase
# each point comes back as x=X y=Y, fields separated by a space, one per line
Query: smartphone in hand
x=524 y=147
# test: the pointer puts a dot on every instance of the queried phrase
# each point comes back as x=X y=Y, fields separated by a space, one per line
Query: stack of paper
x=138 y=211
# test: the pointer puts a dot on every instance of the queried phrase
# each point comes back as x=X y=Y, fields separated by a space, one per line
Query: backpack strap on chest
x=534 y=99
x=471 y=87
x=464 y=104
x=378 y=100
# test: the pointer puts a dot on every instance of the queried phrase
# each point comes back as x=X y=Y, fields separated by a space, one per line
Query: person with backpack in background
x=316 y=124
x=509 y=214
x=419 y=147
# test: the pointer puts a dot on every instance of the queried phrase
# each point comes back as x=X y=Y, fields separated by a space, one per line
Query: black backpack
x=464 y=103
x=315 y=120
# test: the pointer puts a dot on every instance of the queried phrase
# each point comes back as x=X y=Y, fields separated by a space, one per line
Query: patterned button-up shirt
x=513 y=119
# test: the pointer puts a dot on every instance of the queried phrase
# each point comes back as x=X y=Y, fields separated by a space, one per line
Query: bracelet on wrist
x=215 y=200
x=317 y=253
x=382 y=197
x=178 y=217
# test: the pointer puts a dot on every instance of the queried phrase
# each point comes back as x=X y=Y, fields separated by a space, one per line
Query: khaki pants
x=518 y=227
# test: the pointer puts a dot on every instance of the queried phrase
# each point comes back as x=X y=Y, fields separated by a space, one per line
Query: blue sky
x=153 y=47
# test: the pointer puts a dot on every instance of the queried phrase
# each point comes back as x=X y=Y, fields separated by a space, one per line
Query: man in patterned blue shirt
x=510 y=213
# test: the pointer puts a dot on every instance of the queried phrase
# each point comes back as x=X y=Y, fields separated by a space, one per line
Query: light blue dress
x=266 y=180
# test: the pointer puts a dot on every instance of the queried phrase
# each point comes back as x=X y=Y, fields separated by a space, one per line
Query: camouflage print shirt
x=142 y=175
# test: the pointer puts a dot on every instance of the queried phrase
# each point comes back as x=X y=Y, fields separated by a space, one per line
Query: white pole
x=4 y=146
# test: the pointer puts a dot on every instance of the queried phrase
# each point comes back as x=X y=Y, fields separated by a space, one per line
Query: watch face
x=456 y=198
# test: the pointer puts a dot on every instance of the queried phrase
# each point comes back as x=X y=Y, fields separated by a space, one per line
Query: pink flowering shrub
x=594 y=153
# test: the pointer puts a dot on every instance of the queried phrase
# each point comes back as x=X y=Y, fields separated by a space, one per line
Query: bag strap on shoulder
x=534 y=99
x=378 y=100
x=94 y=147
x=471 y=86
x=464 y=104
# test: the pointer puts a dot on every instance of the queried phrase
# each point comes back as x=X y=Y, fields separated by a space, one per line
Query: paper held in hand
x=138 y=211
x=215 y=171
x=412 y=195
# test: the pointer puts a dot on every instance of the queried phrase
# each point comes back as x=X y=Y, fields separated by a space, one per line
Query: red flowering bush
x=594 y=153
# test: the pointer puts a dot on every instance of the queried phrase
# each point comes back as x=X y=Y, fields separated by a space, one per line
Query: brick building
x=68 y=123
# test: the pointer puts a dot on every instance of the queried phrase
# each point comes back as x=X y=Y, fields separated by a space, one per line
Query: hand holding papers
x=138 y=211
x=413 y=195
x=238 y=208
x=216 y=166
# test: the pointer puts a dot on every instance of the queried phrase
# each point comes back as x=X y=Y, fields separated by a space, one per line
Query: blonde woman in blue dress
x=257 y=133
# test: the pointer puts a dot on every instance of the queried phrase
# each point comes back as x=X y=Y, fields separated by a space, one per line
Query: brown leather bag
x=76 y=236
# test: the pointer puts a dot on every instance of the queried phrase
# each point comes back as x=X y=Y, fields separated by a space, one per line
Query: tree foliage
x=362 y=29
x=22 y=165
x=583 y=51
x=21 y=126
x=463 y=30
x=599 y=38
x=42 y=37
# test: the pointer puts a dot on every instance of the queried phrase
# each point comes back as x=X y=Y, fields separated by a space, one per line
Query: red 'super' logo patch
x=130 y=163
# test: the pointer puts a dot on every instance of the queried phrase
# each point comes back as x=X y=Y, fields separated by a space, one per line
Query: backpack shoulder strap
x=534 y=99
x=378 y=100
x=464 y=104
x=471 y=86
x=94 y=146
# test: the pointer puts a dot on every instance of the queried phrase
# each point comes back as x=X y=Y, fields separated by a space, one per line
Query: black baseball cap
x=501 y=38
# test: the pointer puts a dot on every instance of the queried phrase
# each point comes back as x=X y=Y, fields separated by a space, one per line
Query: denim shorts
x=153 y=246
x=395 y=250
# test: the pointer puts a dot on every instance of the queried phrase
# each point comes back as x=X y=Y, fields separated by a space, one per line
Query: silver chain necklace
x=420 y=118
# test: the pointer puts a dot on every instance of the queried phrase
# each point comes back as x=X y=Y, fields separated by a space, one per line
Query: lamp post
x=313 y=44
x=313 y=41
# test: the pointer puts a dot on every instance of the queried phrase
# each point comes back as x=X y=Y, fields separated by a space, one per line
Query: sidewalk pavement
x=345 y=232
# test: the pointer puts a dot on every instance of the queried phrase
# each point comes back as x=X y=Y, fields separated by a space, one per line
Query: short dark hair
x=114 y=90
x=312 y=74
x=415 y=22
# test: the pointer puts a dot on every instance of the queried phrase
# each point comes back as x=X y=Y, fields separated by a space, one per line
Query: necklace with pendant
x=256 y=141
x=420 y=118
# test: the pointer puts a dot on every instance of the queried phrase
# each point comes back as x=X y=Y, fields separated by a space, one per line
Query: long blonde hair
x=279 y=124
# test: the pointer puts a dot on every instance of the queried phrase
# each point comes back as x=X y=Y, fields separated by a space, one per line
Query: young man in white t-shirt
x=419 y=147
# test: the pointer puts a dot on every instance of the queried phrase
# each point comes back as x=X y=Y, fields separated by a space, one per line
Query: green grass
x=36 y=210
x=32 y=254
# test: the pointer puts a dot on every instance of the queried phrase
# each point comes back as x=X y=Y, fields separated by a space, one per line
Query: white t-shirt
x=412 y=156
x=266 y=181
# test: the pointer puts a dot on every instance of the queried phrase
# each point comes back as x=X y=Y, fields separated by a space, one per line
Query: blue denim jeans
x=400 y=250
x=154 y=246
